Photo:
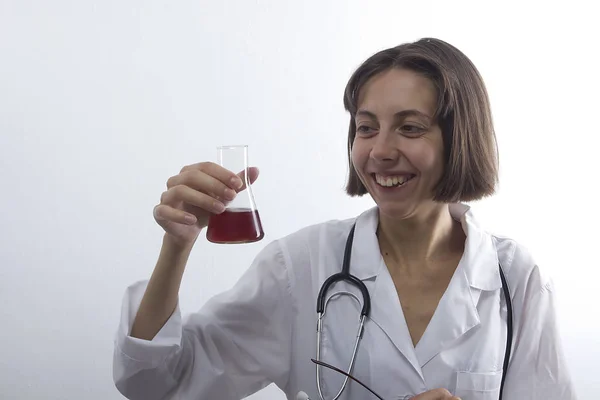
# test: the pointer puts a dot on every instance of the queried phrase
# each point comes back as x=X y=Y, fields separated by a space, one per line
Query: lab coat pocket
x=478 y=385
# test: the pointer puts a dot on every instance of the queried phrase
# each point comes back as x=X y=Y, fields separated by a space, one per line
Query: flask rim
x=232 y=147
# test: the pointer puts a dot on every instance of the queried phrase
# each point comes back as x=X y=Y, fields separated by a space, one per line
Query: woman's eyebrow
x=399 y=114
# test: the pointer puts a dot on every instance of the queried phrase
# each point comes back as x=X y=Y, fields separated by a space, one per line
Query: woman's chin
x=396 y=210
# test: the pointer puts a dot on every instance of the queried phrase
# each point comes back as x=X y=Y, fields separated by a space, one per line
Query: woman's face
x=398 y=150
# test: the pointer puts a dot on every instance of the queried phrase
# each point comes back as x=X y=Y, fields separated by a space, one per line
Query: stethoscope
x=346 y=276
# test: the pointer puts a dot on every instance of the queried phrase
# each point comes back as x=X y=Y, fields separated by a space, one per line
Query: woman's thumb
x=253 y=173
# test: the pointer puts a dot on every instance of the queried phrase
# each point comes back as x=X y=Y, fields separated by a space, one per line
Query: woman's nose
x=384 y=148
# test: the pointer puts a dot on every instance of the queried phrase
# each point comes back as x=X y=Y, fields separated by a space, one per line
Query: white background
x=102 y=101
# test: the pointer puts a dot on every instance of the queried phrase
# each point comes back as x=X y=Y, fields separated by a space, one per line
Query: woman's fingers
x=197 y=171
x=165 y=213
x=185 y=194
x=197 y=192
x=208 y=184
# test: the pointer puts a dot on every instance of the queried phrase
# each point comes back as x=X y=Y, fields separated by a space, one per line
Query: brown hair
x=463 y=114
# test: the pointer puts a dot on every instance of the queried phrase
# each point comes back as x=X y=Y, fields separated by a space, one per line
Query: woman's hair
x=462 y=112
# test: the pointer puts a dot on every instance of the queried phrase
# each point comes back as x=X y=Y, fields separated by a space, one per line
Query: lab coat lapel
x=457 y=313
x=386 y=312
x=369 y=266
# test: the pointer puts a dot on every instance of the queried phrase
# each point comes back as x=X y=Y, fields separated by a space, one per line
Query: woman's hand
x=436 y=394
x=193 y=195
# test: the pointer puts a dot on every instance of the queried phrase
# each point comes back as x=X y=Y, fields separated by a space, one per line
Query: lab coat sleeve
x=235 y=345
x=538 y=369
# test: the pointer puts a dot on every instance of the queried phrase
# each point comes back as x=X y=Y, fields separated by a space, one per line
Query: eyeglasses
x=324 y=364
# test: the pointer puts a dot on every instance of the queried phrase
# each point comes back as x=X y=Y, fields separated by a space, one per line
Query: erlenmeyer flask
x=240 y=222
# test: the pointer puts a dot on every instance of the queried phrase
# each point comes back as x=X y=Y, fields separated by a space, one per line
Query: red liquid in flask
x=235 y=225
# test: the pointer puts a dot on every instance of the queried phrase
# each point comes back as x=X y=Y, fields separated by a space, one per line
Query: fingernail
x=237 y=182
x=219 y=207
x=229 y=194
x=190 y=219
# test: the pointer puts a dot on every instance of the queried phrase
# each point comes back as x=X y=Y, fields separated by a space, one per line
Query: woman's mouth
x=392 y=181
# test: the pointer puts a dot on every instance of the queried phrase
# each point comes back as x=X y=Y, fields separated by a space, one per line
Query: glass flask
x=240 y=222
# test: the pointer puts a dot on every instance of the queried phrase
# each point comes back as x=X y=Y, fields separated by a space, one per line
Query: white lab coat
x=263 y=330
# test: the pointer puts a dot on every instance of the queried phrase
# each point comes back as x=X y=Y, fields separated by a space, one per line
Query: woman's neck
x=427 y=239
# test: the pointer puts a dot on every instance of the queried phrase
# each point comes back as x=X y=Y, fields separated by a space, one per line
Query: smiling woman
x=434 y=89
x=431 y=285
x=398 y=149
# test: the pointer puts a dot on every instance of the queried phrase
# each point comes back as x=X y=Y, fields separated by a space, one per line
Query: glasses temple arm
x=324 y=364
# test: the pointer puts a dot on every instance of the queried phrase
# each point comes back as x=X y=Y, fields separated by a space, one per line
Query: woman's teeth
x=391 y=181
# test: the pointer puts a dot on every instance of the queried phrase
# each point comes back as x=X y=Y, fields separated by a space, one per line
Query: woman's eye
x=364 y=129
x=412 y=129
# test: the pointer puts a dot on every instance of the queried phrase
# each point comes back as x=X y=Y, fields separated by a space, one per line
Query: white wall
x=102 y=101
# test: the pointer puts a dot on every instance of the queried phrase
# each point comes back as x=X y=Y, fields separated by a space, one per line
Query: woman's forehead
x=397 y=90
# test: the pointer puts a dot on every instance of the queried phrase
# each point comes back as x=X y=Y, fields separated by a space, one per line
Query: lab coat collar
x=480 y=258
x=366 y=257
x=456 y=313
x=477 y=271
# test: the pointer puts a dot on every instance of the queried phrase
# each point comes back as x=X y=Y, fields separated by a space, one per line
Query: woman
x=420 y=141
